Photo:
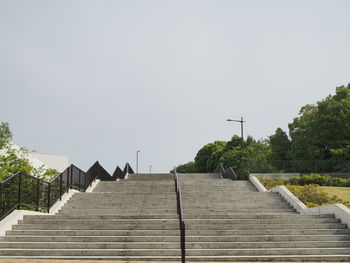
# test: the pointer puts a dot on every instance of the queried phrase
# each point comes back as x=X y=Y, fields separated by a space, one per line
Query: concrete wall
x=278 y=175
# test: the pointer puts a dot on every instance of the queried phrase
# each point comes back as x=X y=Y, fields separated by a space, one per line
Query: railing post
x=68 y=180
x=183 y=244
x=1 y=200
x=79 y=179
x=181 y=217
x=60 y=186
x=71 y=175
x=37 y=194
x=85 y=181
x=19 y=190
x=48 y=197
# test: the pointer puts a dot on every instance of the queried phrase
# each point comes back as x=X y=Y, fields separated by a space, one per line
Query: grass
x=341 y=192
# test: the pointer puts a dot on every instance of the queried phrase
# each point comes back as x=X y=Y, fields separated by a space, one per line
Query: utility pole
x=242 y=136
x=137 y=161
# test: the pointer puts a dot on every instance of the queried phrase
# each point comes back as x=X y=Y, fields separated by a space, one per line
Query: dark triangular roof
x=118 y=173
x=128 y=169
x=97 y=170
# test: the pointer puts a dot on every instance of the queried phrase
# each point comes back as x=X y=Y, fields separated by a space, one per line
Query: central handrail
x=181 y=217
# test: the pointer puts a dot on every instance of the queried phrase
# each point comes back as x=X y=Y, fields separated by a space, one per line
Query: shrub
x=322 y=180
x=311 y=195
x=272 y=182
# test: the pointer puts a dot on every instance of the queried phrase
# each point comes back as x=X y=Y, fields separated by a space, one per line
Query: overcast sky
x=98 y=80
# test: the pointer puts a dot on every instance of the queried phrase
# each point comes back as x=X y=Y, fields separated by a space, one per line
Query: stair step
x=176 y=238
x=136 y=219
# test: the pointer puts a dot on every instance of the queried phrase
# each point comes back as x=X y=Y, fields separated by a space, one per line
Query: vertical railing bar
x=79 y=179
x=48 y=197
x=61 y=186
x=67 y=180
x=71 y=176
x=19 y=190
x=85 y=181
x=37 y=194
x=2 y=197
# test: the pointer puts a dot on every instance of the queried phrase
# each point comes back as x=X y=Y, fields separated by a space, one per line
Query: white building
x=52 y=161
x=38 y=160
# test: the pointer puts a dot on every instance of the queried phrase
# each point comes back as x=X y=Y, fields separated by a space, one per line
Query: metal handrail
x=9 y=178
x=28 y=175
x=51 y=193
x=181 y=217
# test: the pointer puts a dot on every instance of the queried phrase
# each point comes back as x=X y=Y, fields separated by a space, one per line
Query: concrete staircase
x=136 y=219
x=230 y=221
x=128 y=220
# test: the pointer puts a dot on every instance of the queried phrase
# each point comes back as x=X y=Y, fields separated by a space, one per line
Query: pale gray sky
x=98 y=80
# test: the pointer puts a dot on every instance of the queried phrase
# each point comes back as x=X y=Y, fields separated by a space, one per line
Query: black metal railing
x=181 y=218
x=23 y=191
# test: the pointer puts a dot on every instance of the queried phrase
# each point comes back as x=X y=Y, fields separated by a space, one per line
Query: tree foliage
x=13 y=161
x=319 y=137
x=280 y=145
x=256 y=153
x=204 y=157
x=186 y=168
x=10 y=164
x=5 y=134
x=322 y=131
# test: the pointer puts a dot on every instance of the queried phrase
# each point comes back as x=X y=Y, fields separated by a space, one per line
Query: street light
x=242 y=142
x=150 y=169
x=137 y=161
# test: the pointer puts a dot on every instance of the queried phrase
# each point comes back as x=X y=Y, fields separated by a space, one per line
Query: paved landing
x=113 y=261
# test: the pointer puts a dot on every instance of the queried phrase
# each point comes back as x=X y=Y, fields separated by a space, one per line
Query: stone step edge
x=338 y=235
x=217 y=259
x=177 y=249
x=187 y=242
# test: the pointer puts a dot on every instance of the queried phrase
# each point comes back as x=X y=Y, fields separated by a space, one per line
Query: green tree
x=280 y=145
x=333 y=123
x=322 y=131
x=5 y=134
x=49 y=174
x=13 y=161
x=341 y=153
x=257 y=156
x=301 y=133
x=186 y=168
x=205 y=156
x=230 y=155
x=10 y=164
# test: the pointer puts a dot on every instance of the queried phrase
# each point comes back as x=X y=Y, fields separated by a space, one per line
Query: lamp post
x=150 y=169
x=242 y=142
x=137 y=161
